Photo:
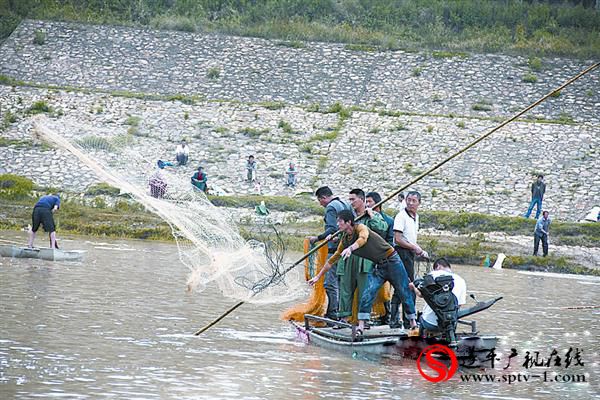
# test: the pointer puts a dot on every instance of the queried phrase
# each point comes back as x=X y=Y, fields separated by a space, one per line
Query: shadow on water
x=120 y=324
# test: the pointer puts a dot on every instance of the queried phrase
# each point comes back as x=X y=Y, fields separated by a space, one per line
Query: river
x=120 y=323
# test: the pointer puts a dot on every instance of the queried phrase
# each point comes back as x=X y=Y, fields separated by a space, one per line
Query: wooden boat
x=470 y=348
x=41 y=253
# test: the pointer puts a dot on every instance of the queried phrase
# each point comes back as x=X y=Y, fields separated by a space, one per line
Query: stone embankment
x=413 y=110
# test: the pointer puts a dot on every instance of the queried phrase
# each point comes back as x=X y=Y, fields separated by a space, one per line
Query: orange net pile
x=317 y=303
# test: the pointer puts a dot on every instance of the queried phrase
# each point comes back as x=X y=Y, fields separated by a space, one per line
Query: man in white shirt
x=406 y=228
x=441 y=266
x=182 y=152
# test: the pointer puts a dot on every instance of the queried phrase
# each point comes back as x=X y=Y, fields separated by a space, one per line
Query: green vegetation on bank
x=127 y=219
x=304 y=205
x=540 y=27
x=564 y=233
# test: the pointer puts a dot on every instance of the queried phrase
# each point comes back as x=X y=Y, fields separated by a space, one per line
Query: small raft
x=41 y=253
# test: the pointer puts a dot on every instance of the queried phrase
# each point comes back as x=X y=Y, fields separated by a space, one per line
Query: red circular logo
x=444 y=372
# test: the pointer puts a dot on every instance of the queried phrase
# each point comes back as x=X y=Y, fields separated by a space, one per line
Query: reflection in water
x=120 y=322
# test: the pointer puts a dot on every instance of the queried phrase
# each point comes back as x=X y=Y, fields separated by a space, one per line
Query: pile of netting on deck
x=207 y=237
x=317 y=302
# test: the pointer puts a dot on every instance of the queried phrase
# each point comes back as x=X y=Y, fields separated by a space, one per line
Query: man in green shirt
x=353 y=273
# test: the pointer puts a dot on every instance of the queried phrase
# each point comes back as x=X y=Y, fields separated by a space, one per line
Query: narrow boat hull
x=381 y=340
x=41 y=253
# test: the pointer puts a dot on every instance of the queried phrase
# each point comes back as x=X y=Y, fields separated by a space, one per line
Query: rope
x=424 y=174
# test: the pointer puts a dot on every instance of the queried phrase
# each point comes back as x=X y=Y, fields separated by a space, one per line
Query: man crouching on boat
x=441 y=266
x=363 y=242
x=42 y=214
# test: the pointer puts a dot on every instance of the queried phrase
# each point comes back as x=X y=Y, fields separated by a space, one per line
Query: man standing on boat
x=441 y=267
x=372 y=199
x=353 y=272
x=333 y=205
x=406 y=228
x=363 y=242
x=42 y=214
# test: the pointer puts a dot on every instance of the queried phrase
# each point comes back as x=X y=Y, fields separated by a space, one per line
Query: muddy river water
x=120 y=323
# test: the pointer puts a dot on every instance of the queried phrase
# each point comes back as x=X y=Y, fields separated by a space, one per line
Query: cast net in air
x=208 y=240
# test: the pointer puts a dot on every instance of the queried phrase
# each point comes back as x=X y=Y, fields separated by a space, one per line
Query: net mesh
x=208 y=240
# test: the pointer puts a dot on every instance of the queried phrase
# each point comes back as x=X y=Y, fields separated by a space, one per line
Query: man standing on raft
x=42 y=214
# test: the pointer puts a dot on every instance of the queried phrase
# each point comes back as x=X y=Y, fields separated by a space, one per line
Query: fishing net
x=317 y=302
x=208 y=240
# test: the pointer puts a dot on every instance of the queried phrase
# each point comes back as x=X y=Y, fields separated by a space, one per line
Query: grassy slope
x=485 y=26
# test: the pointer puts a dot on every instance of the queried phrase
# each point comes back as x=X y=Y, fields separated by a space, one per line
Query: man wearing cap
x=42 y=214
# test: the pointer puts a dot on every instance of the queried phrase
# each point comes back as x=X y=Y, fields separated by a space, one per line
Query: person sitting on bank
x=359 y=240
x=158 y=184
x=199 y=180
x=162 y=164
x=182 y=152
x=42 y=214
x=441 y=266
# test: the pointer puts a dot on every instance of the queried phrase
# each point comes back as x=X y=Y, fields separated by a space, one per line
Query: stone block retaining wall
x=373 y=150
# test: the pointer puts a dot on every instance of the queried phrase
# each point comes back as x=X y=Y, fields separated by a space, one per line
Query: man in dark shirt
x=538 y=188
x=333 y=205
x=542 y=227
x=42 y=214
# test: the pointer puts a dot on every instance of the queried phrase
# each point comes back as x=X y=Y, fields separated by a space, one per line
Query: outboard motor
x=437 y=293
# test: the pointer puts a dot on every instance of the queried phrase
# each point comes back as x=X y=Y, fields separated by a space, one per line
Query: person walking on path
x=42 y=214
x=538 y=188
x=333 y=206
x=541 y=233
